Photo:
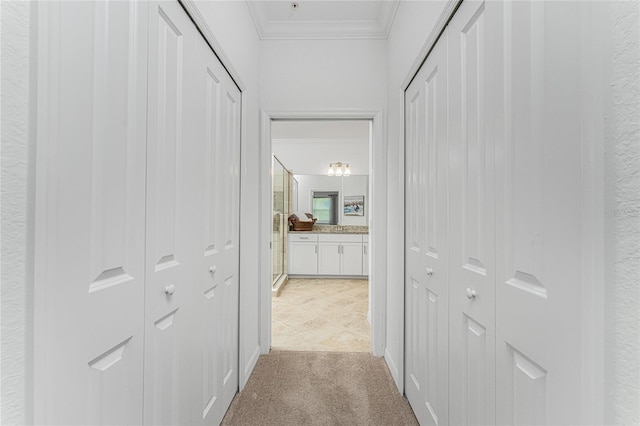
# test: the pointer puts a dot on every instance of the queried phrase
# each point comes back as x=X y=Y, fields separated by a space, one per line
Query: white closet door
x=173 y=232
x=215 y=326
x=538 y=215
x=426 y=370
x=472 y=215
x=229 y=211
x=90 y=213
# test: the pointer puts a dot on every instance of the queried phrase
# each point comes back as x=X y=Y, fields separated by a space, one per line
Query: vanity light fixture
x=339 y=169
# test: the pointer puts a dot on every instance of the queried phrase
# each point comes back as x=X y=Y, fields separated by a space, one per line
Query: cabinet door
x=303 y=258
x=329 y=258
x=365 y=259
x=351 y=259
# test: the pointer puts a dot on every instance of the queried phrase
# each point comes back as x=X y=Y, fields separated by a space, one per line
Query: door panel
x=208 y=302
x=427 y=250
x=414 y=378
x=229 y=164
x=214 y=305
x=472 y=231
x=538 y=215
x=328 y=258
x=351 y=258
x=169 y=237
x=89 y=321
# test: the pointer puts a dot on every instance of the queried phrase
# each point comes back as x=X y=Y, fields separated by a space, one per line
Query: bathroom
x=320 y=243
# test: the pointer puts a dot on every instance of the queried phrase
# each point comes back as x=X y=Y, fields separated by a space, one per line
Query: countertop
x=335 y=229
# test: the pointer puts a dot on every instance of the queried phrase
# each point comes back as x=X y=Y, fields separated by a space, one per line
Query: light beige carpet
x=316 y=314
x=320 y=388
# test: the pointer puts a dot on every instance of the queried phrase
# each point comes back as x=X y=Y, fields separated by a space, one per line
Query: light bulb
x=347 y=170
x=330 y=172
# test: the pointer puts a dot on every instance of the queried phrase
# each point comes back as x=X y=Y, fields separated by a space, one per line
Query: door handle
x=471 y=294
x=429 y=272
x=169 y=290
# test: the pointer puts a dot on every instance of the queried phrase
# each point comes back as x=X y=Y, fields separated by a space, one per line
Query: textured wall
x=622 y=218
x=16 y=221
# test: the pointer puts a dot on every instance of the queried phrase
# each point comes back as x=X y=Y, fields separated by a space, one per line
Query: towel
x=302 y=217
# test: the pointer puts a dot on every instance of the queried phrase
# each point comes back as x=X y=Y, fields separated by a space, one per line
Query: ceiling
x=323 y=19
x=307 y=147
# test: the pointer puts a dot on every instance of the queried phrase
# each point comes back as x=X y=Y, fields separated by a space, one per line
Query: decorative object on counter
x=301 y=222
x=339 y=169
x=354 y=205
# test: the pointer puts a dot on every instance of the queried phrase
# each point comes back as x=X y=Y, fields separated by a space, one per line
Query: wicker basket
x=297 y=225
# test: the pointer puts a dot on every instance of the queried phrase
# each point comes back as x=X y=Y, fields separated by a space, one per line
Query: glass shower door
x=280 y=207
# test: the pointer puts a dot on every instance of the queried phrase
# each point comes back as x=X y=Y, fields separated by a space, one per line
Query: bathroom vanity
x=328 y=251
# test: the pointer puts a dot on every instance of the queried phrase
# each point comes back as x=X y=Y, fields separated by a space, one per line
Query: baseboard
x=333 y=277
x=393 y=369
x=248 y=369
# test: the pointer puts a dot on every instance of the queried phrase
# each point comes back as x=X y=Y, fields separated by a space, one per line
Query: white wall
x=413 y=23
x=235 y=32
x=298 y=75
x=352 y=185
x=337 y=76
x=312 y=156
x=622 y=216
x=17 y=217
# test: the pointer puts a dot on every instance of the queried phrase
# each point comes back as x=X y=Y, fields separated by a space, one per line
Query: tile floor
x=319 y=314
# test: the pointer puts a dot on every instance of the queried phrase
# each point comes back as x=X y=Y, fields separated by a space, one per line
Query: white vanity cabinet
x=327 y=254
x=340 y=254
x=303 y=254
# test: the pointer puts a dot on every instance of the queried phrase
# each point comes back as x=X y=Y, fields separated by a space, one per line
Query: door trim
x=378 y=182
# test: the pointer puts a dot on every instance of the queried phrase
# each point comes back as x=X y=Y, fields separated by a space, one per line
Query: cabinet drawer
x=341 y=238
x=303 y=237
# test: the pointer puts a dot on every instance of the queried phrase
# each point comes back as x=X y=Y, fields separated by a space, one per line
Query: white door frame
x=378 y=233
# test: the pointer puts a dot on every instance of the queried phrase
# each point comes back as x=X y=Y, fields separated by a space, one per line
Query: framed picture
x=354 y=205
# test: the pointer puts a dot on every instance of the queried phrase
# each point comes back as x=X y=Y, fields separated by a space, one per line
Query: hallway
x=320 y=388
x=137 y=211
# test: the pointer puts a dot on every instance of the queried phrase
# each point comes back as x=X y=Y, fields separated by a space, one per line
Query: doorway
x=304 y=182
x=321 y=303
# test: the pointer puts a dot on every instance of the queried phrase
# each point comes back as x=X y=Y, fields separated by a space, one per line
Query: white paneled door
x=138 y=281
x=512 y=144
x=472 y=38
x=216 y=302
x=192 y=226
x=89 y=294
x=539 y=216
x=172 y=192
x=426 y=292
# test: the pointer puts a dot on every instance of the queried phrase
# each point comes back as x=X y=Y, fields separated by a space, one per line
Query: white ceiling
x=323 y=19
x=307 y=147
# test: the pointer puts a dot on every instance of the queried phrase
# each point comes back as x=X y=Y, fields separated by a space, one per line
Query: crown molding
x=323 y=30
